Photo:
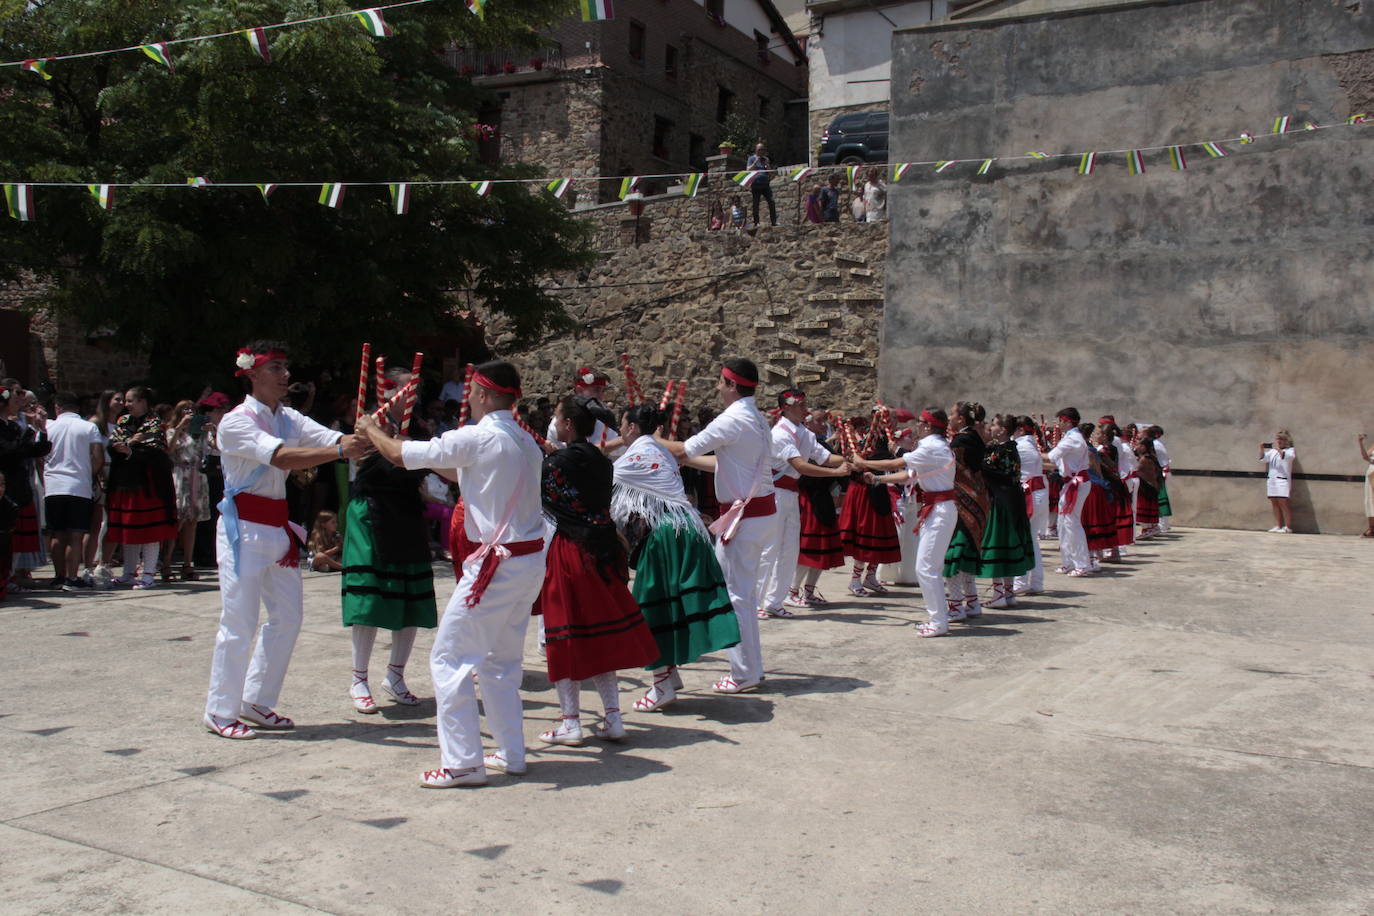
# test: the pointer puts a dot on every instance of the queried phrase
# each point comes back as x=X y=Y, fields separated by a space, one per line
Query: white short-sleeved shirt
x=793 y=441
x=931 y=464
x=1280 y=470
x=1126 y=462
x=1071 y=454
x=68 y=468
x=1162 y=453
x=743 y=444
x=498 y=468
x=250 y=434
x=1032 y=465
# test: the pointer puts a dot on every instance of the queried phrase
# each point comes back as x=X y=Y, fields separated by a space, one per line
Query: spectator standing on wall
x=812 y=204
x=762 y=186
x=1367 y=453
x=736 y=212
x=717 y=218
x=875 y=197
x=830 y=199
x=1279 y=455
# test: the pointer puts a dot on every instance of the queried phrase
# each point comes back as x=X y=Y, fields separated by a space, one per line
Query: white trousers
x=780 y=557
x=1073 y=541
x=932 y=542
x=488 y=639
x=745 y=578
x=258 y=581
x=1034 y=578
x=904 y=572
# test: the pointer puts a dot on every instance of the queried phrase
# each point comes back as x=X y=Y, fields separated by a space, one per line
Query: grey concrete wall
x=1221 y=302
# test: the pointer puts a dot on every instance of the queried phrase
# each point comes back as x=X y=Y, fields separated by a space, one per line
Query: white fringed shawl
x=648 y=484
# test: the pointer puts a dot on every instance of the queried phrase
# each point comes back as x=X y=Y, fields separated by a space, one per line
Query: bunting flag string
x=20 y=194
x=257 y=40
x=160 y=51
x=19 y=199
x=478 y=8
x=596 y=10
x=103 y=194
x=400 y=198
x=1281 y=125
x=331 y=195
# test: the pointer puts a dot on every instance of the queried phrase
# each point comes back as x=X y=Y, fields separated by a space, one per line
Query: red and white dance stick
x=463 y=408
x=632 y=393
x=379 y=415
x=538 y=439
x=677 y=408
x=381 y=382
x=667 y=393
x=362 y=384
x=412 y=393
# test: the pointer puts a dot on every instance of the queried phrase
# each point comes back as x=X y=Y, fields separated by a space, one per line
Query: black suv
x=852 y=139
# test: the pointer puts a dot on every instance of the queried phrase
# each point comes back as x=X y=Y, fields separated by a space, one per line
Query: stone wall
x=1221 y=302
x=804 y=302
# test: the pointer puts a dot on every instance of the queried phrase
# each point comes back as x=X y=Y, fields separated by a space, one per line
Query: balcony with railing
x=479 y=62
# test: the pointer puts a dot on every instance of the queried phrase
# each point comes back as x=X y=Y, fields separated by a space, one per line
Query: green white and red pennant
x=801 y=173
x=596 y=10
x=1086 y=163
x=478 y=8
x=1135 y=162
x=19 y=199
x=987 y=164
x=746 y=179
x=374 y=23
x=483 y=188
x=160 y=52
x=257 y=40
x=691 y=184
x=37 y=66
x=1281 y=124
x=559 y=186
x=1177 y=161
x=266 y=191
x=103 y=194
x=628 y=184
x=1216 y=152
x=850 y=173
x=899 y=169
x=400 y=198
x=331 y=195
x=943 y=164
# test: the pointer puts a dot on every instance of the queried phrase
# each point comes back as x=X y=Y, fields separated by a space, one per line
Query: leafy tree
x=190 y=273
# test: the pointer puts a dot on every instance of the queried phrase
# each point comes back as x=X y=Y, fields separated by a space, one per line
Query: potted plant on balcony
x=726 y=147
x=537 y=63
x=509 y=66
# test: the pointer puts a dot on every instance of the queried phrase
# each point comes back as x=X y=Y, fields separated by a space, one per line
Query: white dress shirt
x=931 y=464
x=1028 y=451
x=793 y=441
x=498 y=472
x=250 y=434
x=1125 y=458
x=744 y=451
x=1161 y=453
x=1071 y=454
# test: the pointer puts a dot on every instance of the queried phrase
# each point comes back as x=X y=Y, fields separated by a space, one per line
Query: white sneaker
x=568 y=733
x=1275 y=530
x=1285 y=530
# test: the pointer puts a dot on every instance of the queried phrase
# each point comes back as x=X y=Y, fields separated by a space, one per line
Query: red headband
x=792 y=400
x=480 y=379
x=737 y=378
x=247 y=359
x=1104 y=420
x=928 y=417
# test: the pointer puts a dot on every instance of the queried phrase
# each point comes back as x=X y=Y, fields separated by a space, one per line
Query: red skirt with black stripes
x=591 y=625
x=868 y=535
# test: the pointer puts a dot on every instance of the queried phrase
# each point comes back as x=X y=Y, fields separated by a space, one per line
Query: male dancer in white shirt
x=1071 y=457
x=931 y=465
x=743 y=447
x=258 y=547
x=801 y=456
x=483 y=627
x=1033 y=482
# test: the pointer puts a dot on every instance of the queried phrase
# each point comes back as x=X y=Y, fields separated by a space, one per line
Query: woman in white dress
x=1279 y=455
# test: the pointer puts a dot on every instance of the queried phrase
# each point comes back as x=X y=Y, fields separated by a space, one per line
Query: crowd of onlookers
x=864 y=200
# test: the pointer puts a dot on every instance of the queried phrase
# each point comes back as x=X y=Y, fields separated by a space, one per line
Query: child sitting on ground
x=325 y=544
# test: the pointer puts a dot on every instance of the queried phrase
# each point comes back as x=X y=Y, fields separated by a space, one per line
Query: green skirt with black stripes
x=681 y=591
x=375 y=595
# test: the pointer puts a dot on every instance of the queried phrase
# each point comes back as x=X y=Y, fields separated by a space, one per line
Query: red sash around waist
x=1068 y=497
x=928 y=500
x=787 y=483
x=760 y=506
x=262 y=510
x=1030 y=486
x=492 y=560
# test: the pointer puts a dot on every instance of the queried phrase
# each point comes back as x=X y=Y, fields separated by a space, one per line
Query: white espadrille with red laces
x=266 y=719
x=228 y=728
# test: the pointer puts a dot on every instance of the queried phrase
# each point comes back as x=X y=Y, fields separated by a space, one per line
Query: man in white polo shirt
x=68 y=480
x=743 y=446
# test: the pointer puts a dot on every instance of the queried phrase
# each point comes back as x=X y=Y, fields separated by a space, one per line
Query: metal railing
x=495 y=61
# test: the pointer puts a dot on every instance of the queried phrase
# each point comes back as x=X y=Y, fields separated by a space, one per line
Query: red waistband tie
x=760 y=506
x=487 y=571
x=1068 y=497
x=262 y=510
x=787 y=483
x=928 y=500
x=1030 y=486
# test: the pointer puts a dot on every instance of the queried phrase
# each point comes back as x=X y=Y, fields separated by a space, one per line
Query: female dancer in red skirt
x=820 y=531
x=592 y=625
x=142 y=502
x=868 y=530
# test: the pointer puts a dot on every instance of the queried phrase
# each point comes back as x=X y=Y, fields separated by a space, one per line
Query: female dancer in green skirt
x=678 y=582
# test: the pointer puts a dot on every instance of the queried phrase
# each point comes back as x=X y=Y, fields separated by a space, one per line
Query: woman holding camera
x=1279 y=455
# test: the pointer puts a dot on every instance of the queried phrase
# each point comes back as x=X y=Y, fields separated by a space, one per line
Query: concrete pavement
x=1189 y=733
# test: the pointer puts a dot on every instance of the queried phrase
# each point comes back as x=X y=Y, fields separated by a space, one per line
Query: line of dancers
x=553 y=531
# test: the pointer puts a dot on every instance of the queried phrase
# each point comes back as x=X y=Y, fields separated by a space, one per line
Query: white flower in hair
x=588 y=378
x=244 y=361
x=791 y=399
